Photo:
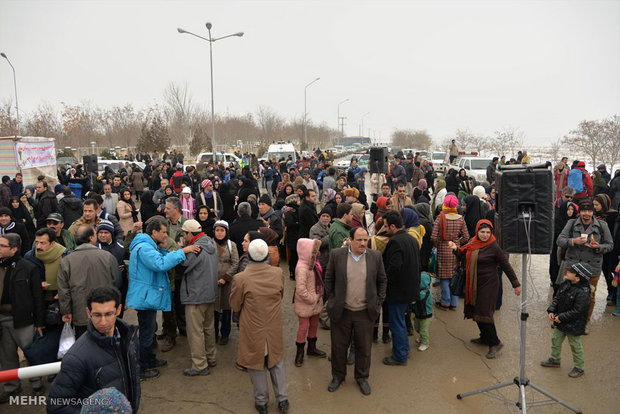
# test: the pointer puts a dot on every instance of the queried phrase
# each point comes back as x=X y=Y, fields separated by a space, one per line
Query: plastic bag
x=67 y=339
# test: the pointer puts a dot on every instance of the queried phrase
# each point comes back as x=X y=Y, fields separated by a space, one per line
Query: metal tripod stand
x=521 y=381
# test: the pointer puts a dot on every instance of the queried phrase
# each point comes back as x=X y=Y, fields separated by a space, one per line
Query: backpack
x=177 y=181
x=575 y=180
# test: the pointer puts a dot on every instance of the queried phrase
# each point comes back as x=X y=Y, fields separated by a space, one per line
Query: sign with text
x=35 y=154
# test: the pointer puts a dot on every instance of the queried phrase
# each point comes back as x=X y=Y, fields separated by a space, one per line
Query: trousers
x=307 y=327
x=358 y=324
x=200 y=334
x=261 y=387
x=421 y=327
x=575 y=346
x=9 y=342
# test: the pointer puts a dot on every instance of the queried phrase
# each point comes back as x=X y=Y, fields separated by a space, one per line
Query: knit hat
x=326 y=211
x=265 y=199
x=293 y=198
x=104 y=225
x=382 y=202
x=258 y=251
x=581 y=164
x=205 y=183
x=479 y=192
x=221 y=223
x=192 y=226
x=582 y=269
x=5 y=211
x=186 y=190
x=450 y=201
x=115 y=402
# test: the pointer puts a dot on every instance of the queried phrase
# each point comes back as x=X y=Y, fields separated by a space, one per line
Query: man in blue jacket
x=149 y=286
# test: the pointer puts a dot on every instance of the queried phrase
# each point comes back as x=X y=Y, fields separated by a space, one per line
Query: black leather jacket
x=571 y=304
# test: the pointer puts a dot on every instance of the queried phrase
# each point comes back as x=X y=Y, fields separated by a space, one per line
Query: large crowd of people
x=211 y=246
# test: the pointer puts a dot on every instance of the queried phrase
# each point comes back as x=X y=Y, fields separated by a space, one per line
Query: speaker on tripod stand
x=524 y=201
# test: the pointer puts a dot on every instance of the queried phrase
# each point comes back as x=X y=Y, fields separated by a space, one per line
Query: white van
x=281 y=150
x=227 y=157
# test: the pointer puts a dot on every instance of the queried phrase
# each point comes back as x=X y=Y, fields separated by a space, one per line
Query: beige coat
x=257 y=293
x=226 y=268
x=125 y=219
x=137 y=179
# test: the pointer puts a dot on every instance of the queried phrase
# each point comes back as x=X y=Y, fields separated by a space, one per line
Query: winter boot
x=299 y=357
x=386 y=335
x=375 y=334
x=313 y=350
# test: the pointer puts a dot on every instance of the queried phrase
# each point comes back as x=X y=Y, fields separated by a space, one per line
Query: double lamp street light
x=211 y=40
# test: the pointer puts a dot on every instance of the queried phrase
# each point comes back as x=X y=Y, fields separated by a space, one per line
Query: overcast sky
x=541 y=66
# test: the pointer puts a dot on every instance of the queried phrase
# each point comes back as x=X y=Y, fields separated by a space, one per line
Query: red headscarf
x=474 y=244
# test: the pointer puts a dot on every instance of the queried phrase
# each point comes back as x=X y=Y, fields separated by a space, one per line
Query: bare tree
x=556 y=146
x=80 y=124
x=506 y=141
x=8 y=121
x=586 y=139
x=154 y=135
x=180 y=112
x=407 y=138
x=611 y=138
x=270 y=124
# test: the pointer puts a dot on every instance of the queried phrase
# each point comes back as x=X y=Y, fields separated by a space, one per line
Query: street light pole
x=342 y=129
x=15 y=86
x=305 y=110
x=362 y=127
x=211 y=40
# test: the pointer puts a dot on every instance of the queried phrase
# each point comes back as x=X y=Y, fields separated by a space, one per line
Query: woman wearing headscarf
x=602 y=212
x=20 y=214
x=188 y=203
x=411 y=221
x=490 y=190
x=148 y=208
x=126 y=210
x=421 y=189
x=206 y=218
x=426 y=222
x=286 y=191
x=438 y=195
x=482 y=257
x=383 y=204
x=286 y=179
x=482 y=195
x=357 y=210
x=449 y=226
x=226 y=269
x=598 y=183
x=466 y=187
x=473 y=212
x=452 y=182
x=329 y=195
x=309 y=288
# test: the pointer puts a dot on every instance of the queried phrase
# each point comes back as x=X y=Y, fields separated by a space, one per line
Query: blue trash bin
x=76 y=189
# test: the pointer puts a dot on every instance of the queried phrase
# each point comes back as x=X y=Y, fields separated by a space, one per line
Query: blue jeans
x=400 y=341
x=147 y=323
x=224 y=317
x=447 y=298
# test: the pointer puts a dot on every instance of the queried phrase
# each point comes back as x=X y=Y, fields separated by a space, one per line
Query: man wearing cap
x=198 y=294
x=258 y=291
x=568 y=312
x=149 y=287
x=7 y=225
x=586 y=240
x=268 y=216
x=105 y=241
x=63 y=237
x=210 y=198
x=78 y=273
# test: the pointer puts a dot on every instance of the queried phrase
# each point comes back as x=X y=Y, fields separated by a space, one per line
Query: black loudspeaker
x=378 y=160
x=524 y=193
x=90 y=163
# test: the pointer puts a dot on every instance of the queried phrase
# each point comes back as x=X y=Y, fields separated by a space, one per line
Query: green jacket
x=338 y=231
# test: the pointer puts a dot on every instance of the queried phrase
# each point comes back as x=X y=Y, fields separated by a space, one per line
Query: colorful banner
x=35 y=154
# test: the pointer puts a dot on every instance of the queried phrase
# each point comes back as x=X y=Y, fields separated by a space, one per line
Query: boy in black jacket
x=569 y=312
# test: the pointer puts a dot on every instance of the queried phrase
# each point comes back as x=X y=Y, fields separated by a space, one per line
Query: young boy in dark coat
x=569 y=312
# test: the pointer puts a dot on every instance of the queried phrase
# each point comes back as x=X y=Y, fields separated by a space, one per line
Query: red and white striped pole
x=30 y=372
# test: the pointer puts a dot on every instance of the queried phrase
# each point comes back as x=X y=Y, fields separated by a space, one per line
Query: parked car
x=475 y=167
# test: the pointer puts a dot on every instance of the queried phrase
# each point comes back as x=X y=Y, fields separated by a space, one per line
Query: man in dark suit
x=355 y=284
x=402 y=267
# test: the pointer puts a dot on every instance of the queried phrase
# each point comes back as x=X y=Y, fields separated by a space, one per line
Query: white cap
x=258 y=250
x=186 y=190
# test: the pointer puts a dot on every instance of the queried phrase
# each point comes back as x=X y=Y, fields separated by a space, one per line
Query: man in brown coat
x=257 y=293
x=355 y=283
